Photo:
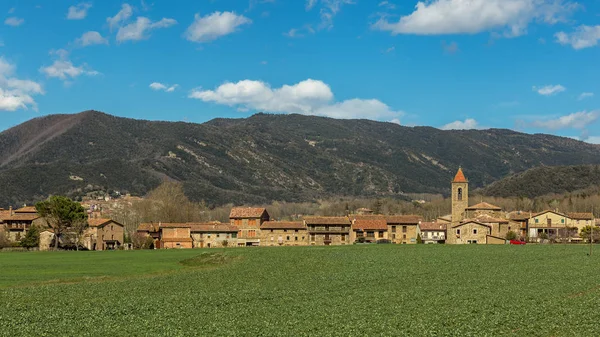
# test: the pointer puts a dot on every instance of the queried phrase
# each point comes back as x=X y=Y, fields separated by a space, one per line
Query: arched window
x=459 y=195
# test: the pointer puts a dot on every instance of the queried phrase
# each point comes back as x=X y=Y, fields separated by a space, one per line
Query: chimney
x=10 y=210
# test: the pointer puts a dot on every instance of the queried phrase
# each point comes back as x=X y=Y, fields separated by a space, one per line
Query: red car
x=517 y=242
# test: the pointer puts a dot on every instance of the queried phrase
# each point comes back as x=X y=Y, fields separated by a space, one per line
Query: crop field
x=318 y=291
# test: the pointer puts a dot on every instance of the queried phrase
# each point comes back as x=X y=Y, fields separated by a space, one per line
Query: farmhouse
x=328 y=230
x=284 y=233
x=17 y=223
x=403 y=229
x=103 y=234
x=248 y=221
x=432 y=232
x=213 y=234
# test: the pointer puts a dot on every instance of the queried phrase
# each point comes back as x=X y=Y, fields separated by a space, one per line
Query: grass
x=350 y=290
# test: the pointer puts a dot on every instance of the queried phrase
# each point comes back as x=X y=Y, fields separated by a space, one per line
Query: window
x=380 y=234
x=472 y=241
x=295 y=238
x=234 y=235
x=217 y=235
x=563 y=221
x=285 y=230
x=393 y=235
x=457 y=231
x=537 y=220
x=403 y=229
x=287 y=238
x=271 y=231
x=208 y=236
x=459 y=194
x=475 y=231
x=343 y=237
x=251 y=234
x=403 y=236
x=312 y=237
x=393 y=228
x=296 y=231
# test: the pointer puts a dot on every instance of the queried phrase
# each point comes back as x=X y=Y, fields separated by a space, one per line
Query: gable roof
x=22 y=217
x=147 y=227
x=471 y=221
x=247 y=212
x=581 y=216
x=374 y=223
x=283 y=225
x=26 y=209
x=519 y=215
x=327 y=220
x=432 y=226
x=484 y=206
x=460 y=177
x=489 y=219
x=174 y=225
x=547 y=211
x=403 y=219
x=101 y=222
x=213 y=227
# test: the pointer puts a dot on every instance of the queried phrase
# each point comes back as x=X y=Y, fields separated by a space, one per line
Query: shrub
x=419 y=240
x=511 y=235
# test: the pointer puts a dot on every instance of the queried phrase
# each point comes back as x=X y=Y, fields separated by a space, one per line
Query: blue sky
x=528 y=65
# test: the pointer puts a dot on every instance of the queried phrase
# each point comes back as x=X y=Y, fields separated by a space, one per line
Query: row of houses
x=250 y=226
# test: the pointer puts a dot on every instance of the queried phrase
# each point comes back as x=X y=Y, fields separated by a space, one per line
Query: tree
x=511 y=235
x=419 y=240
x=32 y=238
x=61 y=213
x=587 y=230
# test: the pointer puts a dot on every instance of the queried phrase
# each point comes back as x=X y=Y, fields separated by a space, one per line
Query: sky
x=526 y=65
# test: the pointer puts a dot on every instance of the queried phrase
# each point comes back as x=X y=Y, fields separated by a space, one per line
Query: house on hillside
x=328 y=230
x=432 y=232
x=248 y=221
x=16 y=223
x=174 y=235
x=284 y=233
x=103 y=234
x=213 y=235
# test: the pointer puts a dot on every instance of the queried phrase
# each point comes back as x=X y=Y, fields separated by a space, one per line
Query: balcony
x=332 y=230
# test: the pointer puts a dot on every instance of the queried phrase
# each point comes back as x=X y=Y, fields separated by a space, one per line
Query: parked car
x=517 y=242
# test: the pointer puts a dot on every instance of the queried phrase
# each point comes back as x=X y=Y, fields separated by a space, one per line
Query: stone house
x=174 y=235
x=103 y=234
x=328 y=230
x=248 y=221
x=17 y=223
x=581 y=220
x=213 y=234
x=470 y=232
x=403 y=229
x=371 y=228
x=432 y=232
x=284 y=233
x=552 y=224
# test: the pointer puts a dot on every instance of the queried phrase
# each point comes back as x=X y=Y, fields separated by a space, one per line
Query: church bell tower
x=460 y=196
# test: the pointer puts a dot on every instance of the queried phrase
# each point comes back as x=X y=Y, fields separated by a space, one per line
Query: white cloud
x=213 y=26
x=140 y=29
x=91 y=38
x=583 y=37
x=387 y=5
x=585 y=95
x=467 y=124
x=79 y=11
x=14 y=21
x=437 y=17
x=310 y=97
x=578 y=120
x=159 y=86
x=16 y=93
x=123 y=15
x=549 y=90
x=64 y=69
x=299 y=32
x=328 y=10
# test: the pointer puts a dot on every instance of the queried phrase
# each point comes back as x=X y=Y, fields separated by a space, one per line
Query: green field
x=349 y=290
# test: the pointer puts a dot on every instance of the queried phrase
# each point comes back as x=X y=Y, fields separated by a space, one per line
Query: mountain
x=263 y=157
x=545 y=180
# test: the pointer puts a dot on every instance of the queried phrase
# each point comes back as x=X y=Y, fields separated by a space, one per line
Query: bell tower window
x=459 y=195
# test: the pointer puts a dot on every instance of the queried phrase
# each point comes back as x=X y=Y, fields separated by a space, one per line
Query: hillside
x=541 y=181
x=263 y=157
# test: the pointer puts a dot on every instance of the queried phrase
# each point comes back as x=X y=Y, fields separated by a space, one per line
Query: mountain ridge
x=262 y=158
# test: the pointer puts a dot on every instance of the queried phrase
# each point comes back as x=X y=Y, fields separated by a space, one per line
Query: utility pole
x=592 y=232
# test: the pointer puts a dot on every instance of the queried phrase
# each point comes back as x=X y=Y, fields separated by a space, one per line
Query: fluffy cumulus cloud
x=549 y=90
x=91 y=38
x=79 y=11
x=577 y=120
x=14 y=21
x=436 y=17
x=16 y=93
x=64 y=69
x=310 y=97
x=467 y=124
x=582 y=37
x=140 y=29
x=213 y=26
x=162 y=87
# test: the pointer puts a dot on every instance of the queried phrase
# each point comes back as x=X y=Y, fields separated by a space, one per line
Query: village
x=481 y=223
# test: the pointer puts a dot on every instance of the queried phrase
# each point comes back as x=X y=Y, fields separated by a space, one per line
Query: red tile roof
x=519 y=215
x=26 y=209
x=432 y=226
x=213 y=227
x=471 y=221
x=370 y=224
x=174 y=225
x=581 y=216
x=147 y=227
x=484 y=206
x=283 y=225
x=403 y=219
x=327 y=220
x=459 y=177
x=489 y=219
x=246 y=212
x=101 y=222
x=22 y=217
x=176 y=240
